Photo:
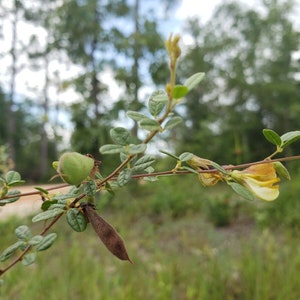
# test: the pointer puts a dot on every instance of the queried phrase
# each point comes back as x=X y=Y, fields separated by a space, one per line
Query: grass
x=178 y=254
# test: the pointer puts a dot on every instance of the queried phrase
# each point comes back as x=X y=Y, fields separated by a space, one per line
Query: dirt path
x=26 y=205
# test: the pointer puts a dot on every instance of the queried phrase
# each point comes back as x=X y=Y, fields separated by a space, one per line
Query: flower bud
x=201 y=164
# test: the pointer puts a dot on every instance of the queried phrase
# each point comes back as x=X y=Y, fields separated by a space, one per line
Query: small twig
x=36 y=192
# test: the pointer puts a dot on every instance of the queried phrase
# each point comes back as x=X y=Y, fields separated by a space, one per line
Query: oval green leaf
x=157 y=102
x=10 y=200
x=194 y=80
x=47 y=242
x=169 y=154
x=144 y=162
x=111 y=149
x=48 y=214
x=90 y=188
x=136 y=116
x=124 y=177
x=242 y=191
x=290 y=137
x=120 y=136
x=28 y=259
x=218 y=167
x=10 y=250
x=12 y=176
x=23 y=232
x=281 y=170
x=35 y=240
x=76 y=220
x=149 y=124
x=179 y=91
x=272 y=137
x=185 y=156
x=174 y=121
x=136 y=149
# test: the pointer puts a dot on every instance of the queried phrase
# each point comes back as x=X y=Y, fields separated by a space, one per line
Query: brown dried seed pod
x=108 y=235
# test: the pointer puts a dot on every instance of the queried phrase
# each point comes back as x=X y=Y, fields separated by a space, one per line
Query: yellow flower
x=260 y=180
x=201 y=164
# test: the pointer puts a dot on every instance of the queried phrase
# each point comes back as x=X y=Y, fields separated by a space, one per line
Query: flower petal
x=267 y=192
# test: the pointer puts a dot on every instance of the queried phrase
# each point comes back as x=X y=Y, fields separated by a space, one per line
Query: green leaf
x=7 y=253
x=10 y=200
x=124 y=177
x=136 y=149
x=120 y=136
x=151 y=178
x=46 y=204
x=35 y=240
x=174 y=121
x=157 y=102
x=111 y=149
x=190 y=169
x=218 y=167
x=76 y=220
x=58 y=205
x=47 y=242
x=12 y=193
x=123 y=156
x=179 y=91
x=290 y=137
x=90 y=188
x=144 y=162
x=48 y=214
x=272 y=137
x=169 y=154
x=28 y=259
x=13 y=178
x=185 y=156
x=149 y=169
x=242 y=191
x=281 y=170
x=136 y=116
x=23 y=232
x=43 y=191
x=194 y=80
x=161 y=97
x=149 y=124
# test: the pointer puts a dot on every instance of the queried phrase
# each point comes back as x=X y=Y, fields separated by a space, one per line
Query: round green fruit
x=74 y=167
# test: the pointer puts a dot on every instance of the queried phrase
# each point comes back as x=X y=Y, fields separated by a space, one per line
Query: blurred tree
x=12 y=11
x=19 y=120
x=42 y=54
x=27 y=137
x=107 y=38
x=142 y=49
x=253 y=58
x=83 y=30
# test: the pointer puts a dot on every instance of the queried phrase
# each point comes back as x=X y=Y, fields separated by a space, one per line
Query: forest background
x=80 y=66
x=91 y=61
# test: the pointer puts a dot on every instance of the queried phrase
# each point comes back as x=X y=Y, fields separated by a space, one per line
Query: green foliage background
x=178 y=251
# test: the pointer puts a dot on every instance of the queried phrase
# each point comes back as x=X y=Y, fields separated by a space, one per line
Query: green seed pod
x=74 y=167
